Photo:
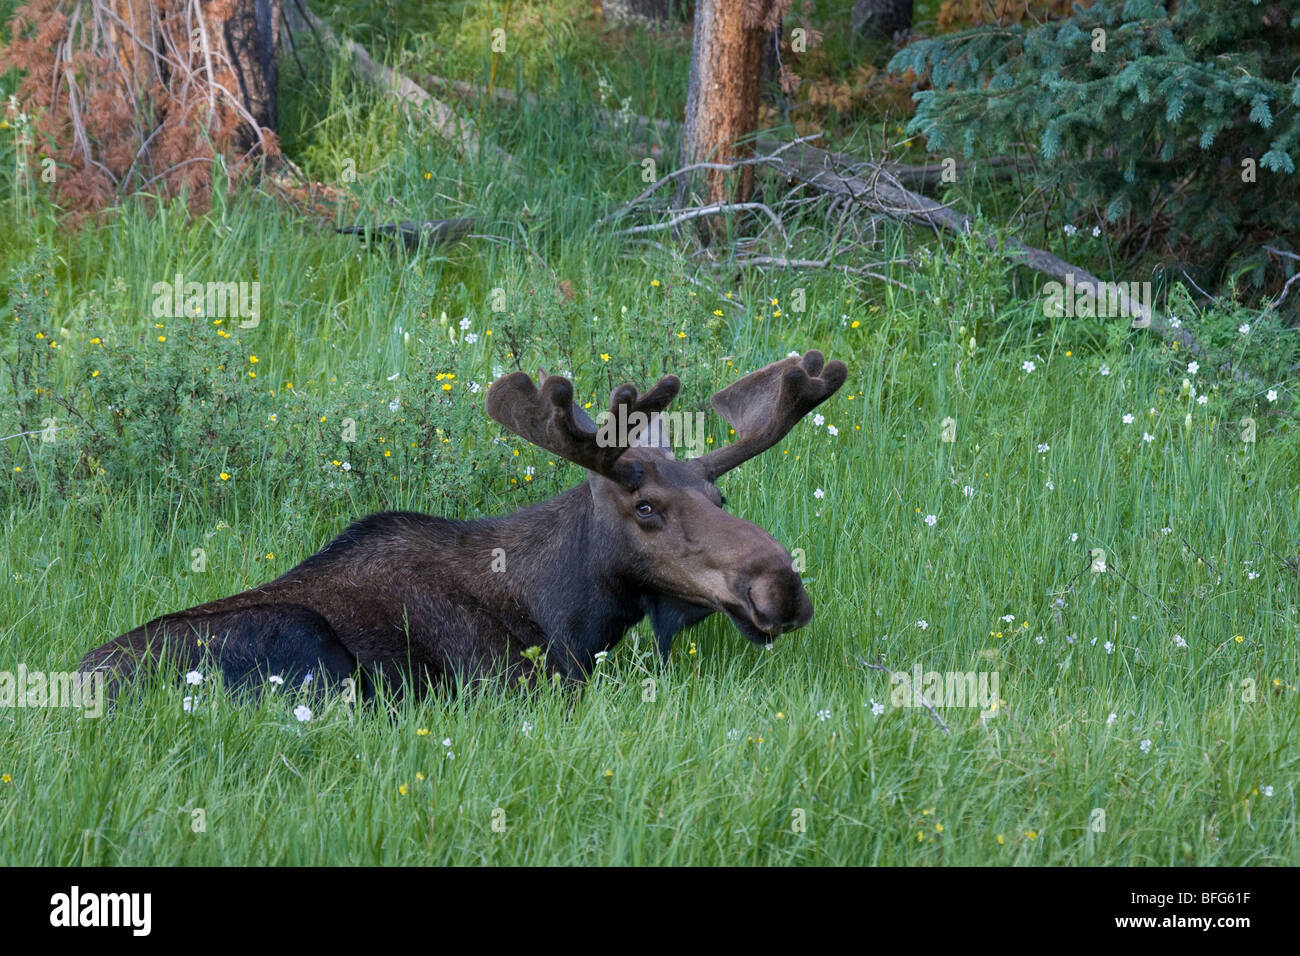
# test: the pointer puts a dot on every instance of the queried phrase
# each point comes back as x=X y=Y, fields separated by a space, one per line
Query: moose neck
x=561 y=568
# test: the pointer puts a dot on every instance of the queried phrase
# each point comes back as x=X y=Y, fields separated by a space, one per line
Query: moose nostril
x=805 y=612
x=779 y=604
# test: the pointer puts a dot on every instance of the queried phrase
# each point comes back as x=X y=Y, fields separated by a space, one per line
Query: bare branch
x=916 y=694
x=693 y=167
x=696 y=213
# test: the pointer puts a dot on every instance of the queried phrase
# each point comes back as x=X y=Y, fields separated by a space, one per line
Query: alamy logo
x=74 y=689
x=211 y=300
x=665 y=429
x=1105 y=300
x=102 y=909
x=947 y=689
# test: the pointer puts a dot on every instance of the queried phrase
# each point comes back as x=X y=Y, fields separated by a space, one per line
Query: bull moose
x=436 y=600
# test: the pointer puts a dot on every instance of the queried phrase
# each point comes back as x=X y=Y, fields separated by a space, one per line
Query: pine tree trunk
x=251 y=33
x=722 y=99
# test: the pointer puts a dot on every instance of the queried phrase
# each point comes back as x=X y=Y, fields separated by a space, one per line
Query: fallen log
x=431 y=232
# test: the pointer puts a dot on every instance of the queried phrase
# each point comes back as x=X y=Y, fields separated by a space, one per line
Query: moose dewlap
x=426 y=600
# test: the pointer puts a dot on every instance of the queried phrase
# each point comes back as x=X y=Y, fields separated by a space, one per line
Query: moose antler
x=548 y=417
x=766 y=404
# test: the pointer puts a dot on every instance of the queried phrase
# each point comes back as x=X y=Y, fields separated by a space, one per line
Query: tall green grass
x=1143 y=752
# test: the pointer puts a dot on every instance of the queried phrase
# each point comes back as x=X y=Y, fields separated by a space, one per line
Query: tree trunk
x=236 y=41
x=722 y=99
x=880 y=19
x=251 y=34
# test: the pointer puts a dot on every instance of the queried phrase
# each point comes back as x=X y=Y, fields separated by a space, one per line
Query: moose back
x=430 y=600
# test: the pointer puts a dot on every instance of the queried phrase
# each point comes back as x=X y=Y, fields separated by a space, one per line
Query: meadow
x=1093 y=526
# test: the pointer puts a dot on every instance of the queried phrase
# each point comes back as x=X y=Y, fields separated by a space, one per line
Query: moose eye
x=644 y=509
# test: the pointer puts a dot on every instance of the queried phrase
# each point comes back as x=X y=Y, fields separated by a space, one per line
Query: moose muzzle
x=767 y=595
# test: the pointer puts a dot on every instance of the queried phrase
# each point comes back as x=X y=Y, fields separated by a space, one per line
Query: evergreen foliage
x=1177 y=123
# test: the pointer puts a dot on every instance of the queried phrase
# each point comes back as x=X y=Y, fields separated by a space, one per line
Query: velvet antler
x=548 y=417
x=764 y=405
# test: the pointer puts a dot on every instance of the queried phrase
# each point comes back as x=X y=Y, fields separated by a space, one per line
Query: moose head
x=431 y=600
x=662 y=518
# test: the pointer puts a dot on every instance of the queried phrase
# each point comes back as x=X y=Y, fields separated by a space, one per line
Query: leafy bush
x=181 y=408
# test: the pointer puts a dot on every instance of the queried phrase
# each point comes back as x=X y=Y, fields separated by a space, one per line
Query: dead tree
x=722 y=98
x=133 y=94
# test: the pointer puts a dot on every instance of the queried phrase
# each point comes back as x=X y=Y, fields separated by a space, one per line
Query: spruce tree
x=1177 y=123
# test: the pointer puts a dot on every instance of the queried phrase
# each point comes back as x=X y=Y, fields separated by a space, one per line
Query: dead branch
x=917 y=695
x=676 y=173
x=686 y=215
x=1286 y=288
